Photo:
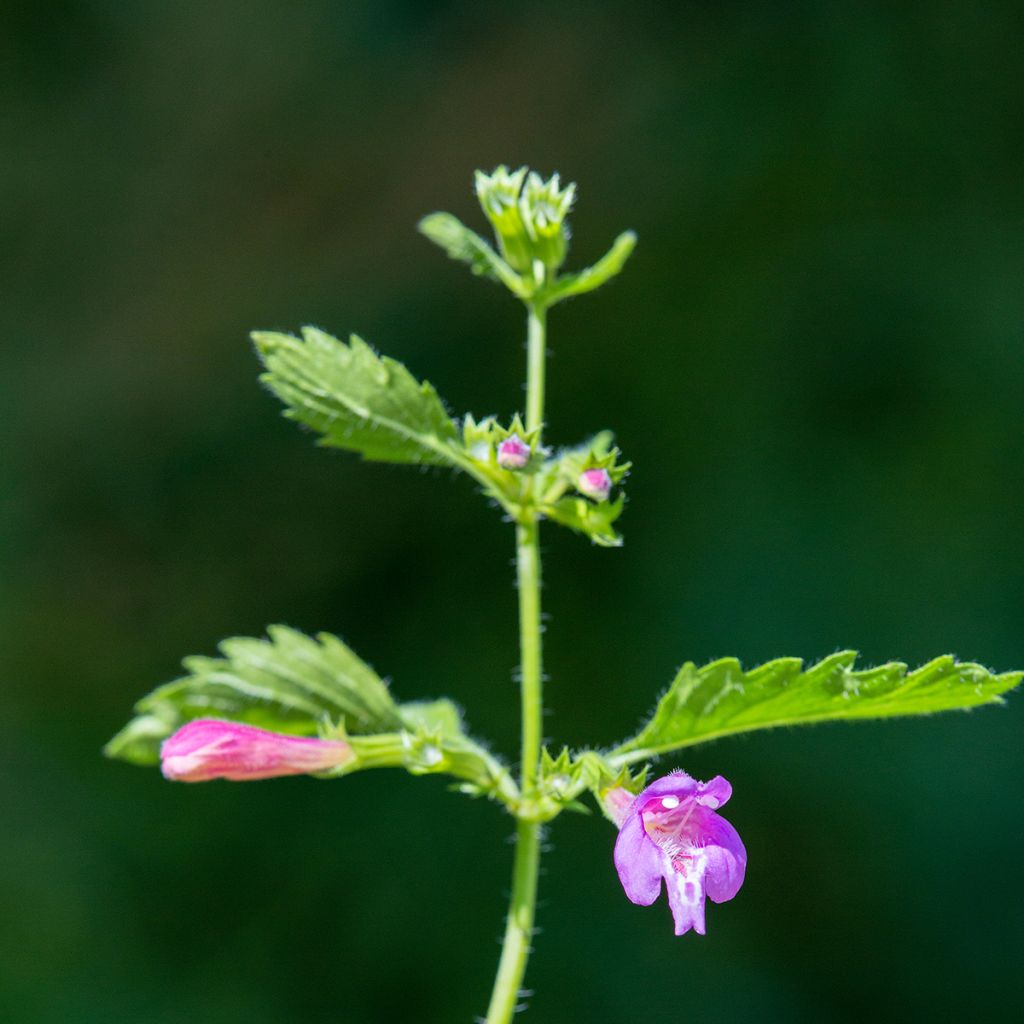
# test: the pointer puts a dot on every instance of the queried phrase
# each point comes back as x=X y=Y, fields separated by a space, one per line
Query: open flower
x=208 y=748
x=671 y=832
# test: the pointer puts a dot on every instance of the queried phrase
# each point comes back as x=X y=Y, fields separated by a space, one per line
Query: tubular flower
x=208 y=748
x=671 y=832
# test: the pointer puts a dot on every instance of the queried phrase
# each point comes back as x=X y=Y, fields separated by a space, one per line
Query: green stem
x=530 y=654
x=536 y=352
x=522 y=906
x=515 y=949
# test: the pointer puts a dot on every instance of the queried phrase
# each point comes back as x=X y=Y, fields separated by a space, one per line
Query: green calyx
x=482 y=440
x=564 y=778
x=528 y=216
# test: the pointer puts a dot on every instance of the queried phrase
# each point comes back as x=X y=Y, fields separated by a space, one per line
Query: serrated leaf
x=721 y=699
x=288 y=683
x=357 y=399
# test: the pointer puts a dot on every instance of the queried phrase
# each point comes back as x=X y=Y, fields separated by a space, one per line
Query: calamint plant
x=292 y=704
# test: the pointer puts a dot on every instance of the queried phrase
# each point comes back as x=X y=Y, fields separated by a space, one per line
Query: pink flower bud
x=617 y=803
x=595 y=483
x=211 y=749
x=513 y=452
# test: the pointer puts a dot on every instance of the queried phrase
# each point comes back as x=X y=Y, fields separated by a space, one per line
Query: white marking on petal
x=670 y=802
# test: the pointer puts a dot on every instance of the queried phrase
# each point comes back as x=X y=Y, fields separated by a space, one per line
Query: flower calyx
x=564 y=778
x=507 y=458
x=574 y=489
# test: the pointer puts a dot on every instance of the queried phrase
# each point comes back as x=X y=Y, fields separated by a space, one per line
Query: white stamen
x=670 y=802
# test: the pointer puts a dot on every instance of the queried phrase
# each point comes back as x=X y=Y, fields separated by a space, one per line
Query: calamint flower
x=208 y=748
x=671 y=832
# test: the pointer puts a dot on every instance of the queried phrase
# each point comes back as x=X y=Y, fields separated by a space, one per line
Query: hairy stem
x=531 y=661
x=536 y=352
x=522 y=906
x=515 y=949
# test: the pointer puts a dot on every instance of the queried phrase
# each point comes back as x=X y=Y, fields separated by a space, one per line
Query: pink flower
x=513 y=452
x=208 y=748
x=671 y=832
x=595 y=483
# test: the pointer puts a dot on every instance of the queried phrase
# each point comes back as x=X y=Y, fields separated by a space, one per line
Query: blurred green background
x=814 y=360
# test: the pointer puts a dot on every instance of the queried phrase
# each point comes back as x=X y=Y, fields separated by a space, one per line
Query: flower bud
x=595 y=483
x=208 y=748
x=617 y=802
x=498 y=194
x=513 y=452
x=545 y=206
x=528 y=216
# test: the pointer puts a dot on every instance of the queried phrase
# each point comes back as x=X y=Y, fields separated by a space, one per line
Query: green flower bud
x=544 y=208
x=528 y=216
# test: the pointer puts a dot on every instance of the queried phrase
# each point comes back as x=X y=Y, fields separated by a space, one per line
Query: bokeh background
x=814 y=360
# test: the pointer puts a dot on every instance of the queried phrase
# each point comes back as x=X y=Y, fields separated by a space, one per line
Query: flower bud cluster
x=528 y=216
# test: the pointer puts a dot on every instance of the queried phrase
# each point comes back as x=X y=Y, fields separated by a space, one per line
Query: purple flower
x=595 y=483
x=671 y=832
x=208 y=748
x=513 y=452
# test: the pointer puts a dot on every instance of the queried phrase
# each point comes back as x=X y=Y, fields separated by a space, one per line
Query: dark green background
x=814 y=359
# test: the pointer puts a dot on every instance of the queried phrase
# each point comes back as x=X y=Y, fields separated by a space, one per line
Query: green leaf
x=467 y=246
x=356 y=399
x=721 y=699
x=139 y=741
x=607 y=267
x=288 y=683
x=435 y=717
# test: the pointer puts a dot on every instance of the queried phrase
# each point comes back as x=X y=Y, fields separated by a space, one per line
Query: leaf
x=607 y=267
x=467 y=246
x=288 y=683
x=139 y=741
x=356 y=399
x=434 y=717
x=721 y=699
